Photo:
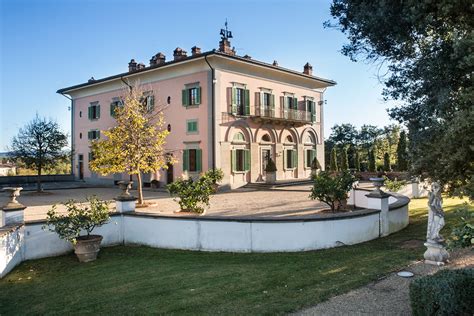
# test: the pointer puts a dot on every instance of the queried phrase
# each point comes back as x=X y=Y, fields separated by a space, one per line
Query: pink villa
x=223 y=111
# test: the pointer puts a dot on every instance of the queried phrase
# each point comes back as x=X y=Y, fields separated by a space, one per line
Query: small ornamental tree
x=271 y=167
x=136 y=144
x=344 y=159
x=40 y=145
x=332 y=190
x=402 y=153
x=386 y=162
x=333 y=160
x=192 y=195
x=371 y=161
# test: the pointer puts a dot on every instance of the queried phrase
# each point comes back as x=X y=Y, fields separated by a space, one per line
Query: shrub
x=393 y=185
x=448 y=292
x=462 y=235
x=332 y=189
x=214 y=175
x=191 y=195
x=271 y=167
x=80 y=217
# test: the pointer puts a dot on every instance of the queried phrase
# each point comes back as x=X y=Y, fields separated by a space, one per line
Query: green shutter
x=295 y=104
x=272 y=101
x=305 y=157
x=112 y=109
x=151 y=103
x=185 y=96
x=89 y=135
x=247 y=102
x=198 y=160
x=185 y=160
x=234 y=100
x=233 y=159
x=294 y=157
x=198 y=95
x=246 y=160
x=98 y=111
x=98 y=134
x=89 y=115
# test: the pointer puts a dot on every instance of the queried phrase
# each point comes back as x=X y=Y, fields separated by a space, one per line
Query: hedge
x=448 y=292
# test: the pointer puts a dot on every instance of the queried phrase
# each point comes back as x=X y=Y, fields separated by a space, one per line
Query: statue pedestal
x=435 y=254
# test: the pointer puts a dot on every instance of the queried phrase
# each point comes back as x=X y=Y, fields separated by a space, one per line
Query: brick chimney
x=179 y=54
x=224 y=47
x=158 y=59
x=195 y=50
x=308 y=69
x=275 y=63
x=132 y=65
x=140 y=66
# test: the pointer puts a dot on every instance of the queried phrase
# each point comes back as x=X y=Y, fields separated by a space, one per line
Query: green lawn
x=137 y=280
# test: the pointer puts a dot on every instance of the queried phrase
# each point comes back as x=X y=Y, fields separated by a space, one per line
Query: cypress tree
x=357 y=161
x=371 y=160
x=386 y=162
x=344 y=159
x=333 y=159
x=402 y=154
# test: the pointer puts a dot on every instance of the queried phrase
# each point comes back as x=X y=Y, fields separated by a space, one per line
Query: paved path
x=281 y=202
x=389 y=296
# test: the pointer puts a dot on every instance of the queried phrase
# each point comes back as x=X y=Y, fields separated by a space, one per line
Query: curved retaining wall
x=31 y=241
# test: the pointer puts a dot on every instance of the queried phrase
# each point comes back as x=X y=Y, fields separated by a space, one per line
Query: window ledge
x=239 y=172
x=289 y=169
x=194 y=106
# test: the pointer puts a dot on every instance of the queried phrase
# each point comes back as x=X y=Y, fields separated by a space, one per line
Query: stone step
x=278 y=184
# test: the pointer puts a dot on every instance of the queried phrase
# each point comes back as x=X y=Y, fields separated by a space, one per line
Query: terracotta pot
x=87 y=247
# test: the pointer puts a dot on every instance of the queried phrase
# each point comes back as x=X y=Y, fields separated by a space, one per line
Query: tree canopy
x=427 y=47
x=40 y=144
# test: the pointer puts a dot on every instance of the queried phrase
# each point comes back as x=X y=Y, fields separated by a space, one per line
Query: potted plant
x=270 y=171
x=315 y=167
x=191 y=195
x=332 y=189
x=215 y=176
x=80 y=218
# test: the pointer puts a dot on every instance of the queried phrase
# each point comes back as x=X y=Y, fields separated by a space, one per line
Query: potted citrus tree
x=332 y=189
x=192 y=195
x=270 y=171
x=215 y=176
x=77 y=225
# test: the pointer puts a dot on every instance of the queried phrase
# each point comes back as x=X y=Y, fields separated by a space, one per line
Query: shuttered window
x=240 y=160
x=192 y=160
x=148 y=101
x=291 y=159
x=93 y=134
x=240 y=101
x=94 y=111
x=114 y=106
x=309 y=157
x=192 y=126
x=191 y=96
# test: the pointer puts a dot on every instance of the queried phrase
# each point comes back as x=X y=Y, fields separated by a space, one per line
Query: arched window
x=266 y=138
x=289 y=139
x=309 y=140
x=239 y=137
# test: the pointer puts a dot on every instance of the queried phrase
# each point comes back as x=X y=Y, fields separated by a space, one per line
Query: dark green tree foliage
x=344 y=160
x=371 y=160
x=386 y=162
x=333 y=163
x=402 y=154
x=427 y=46
x=39 y=145
x=344 y=134
x=357 y=162
x=332 y=189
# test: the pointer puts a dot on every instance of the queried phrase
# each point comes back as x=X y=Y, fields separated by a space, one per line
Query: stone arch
x=312 y=132
x=265 y=129
x=289 y=131
x=239 y=126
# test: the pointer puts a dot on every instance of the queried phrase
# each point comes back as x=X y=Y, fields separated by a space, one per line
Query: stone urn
x=13 y=192
x=378 y=183
x=125 y=186
x=87 y=247
x=270 y=177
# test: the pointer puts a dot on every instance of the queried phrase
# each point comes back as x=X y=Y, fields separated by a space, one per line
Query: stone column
x=254 y=162
x=378 y=200
x=279 y=161
x=13 y=212
x=125 y=202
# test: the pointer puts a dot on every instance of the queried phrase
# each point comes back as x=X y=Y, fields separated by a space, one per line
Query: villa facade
x=222 y=110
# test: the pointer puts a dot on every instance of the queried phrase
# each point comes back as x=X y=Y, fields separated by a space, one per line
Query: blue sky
x=50 y=44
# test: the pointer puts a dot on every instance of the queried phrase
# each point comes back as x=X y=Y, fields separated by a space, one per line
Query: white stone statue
x=435 y=214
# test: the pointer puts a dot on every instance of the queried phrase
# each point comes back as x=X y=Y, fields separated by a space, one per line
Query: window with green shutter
x=117 y=103
x=291 y=158
x=191 y=96
x=93 y=134
x=192 y=160
x=240 y=102
x=192 y=126
x=240 y=160
x=310 y=154
x=94 y=111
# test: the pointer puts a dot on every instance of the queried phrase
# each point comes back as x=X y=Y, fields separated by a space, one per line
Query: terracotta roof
x=209 y=53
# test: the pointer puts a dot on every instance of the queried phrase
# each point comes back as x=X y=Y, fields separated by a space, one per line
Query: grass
x=139 y=280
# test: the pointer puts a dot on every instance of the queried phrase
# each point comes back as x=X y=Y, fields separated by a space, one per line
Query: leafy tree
x=357 y=162
x=333 y=163
x=39 y=145
x=136 y=144
x=402 y=154
x=427 y=46
x=332 y=190
x=372 y=161
x=386 y=162
x=344 y=134
x=344 y=160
